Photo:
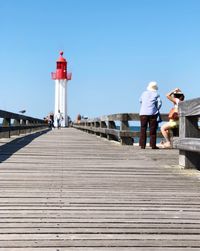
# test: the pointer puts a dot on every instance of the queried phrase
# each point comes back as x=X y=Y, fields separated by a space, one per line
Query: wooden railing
x=16 y=124
x=105 y=126
x=188 y=142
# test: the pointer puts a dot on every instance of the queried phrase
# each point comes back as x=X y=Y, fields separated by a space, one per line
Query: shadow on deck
x=14 y=145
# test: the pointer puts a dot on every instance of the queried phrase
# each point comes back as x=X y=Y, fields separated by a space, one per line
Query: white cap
x=152 y=86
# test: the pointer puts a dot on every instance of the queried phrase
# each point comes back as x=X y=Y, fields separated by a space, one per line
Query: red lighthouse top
x=61 y=69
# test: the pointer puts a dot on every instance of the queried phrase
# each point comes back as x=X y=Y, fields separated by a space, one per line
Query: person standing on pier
x=150 y=105
x=59 y=118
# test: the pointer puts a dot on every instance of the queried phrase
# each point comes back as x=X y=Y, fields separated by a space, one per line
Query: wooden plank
x=68 y=190
x=56 y=242
x=188 y=144
x=99 y=249
x=190 y=107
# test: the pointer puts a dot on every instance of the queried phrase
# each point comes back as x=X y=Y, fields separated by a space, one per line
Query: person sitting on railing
x=150 y=105
x=175 y=96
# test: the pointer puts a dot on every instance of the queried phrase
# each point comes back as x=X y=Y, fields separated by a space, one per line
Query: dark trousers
x=145 y=121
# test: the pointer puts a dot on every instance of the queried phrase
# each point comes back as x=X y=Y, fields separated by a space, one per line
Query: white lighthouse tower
x=61 y=78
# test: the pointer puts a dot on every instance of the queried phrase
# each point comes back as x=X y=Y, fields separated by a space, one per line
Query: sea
x=137 y=129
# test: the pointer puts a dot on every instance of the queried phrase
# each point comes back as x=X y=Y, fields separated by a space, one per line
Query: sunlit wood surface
x=66 y=190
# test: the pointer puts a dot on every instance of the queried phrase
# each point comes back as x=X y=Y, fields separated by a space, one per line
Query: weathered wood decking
x=68 y=190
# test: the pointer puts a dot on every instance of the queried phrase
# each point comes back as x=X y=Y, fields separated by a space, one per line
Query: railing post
x=34 y=124
x=103 y=125
x=188 y=129
x=30 y=124
x=16 y=123
x=125 y=140
x=111 y=125
x=6 y=123
x=97 y=125
x=93 y=126
x=86 y=125
x=89 y=125
x=23 y=124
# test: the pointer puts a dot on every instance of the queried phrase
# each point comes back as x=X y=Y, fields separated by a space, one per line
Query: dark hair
x=179 y=96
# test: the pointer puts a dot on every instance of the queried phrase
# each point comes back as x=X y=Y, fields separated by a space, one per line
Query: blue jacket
x=150 y=103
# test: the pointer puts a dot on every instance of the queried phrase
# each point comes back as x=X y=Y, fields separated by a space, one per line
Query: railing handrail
x=12 y=115
x=21 y=125
x=122 y=117
x=105 y=126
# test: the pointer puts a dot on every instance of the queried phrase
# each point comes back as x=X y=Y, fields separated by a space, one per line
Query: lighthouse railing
x=53 y=75
x=69 y=76
x=16 y=124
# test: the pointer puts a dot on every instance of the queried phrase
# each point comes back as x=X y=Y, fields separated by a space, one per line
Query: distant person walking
x=175 y=96
x=150 y=105
x=59 y=119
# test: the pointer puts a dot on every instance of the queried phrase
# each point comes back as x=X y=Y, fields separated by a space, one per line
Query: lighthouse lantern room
x=61 y=77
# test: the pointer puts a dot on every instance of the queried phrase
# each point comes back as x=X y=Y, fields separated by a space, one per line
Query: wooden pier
x=65 y=190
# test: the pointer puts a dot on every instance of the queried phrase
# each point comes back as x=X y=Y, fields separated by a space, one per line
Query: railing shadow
x=8 y=149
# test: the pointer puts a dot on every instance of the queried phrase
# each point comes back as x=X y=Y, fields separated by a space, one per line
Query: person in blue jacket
x=150 y=105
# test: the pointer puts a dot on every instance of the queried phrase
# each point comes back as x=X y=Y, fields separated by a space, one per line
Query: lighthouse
x=61 y=78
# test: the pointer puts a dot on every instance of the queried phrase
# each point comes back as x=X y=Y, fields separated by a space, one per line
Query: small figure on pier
x=78 y=119
x=175 y=96
x=58 y=118
x=150 y=105
x=51 y=120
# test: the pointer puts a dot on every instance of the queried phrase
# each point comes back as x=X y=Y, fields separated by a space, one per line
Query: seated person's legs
x=165 y=131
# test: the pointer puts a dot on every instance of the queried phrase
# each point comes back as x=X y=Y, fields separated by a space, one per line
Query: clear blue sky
x=113 y=48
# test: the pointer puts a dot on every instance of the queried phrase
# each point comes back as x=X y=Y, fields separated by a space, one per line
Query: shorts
x=173 y=123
